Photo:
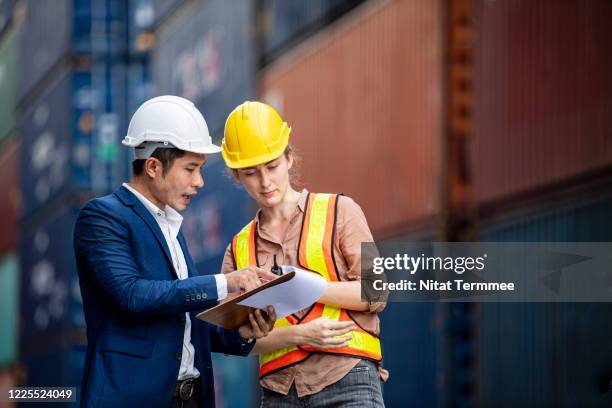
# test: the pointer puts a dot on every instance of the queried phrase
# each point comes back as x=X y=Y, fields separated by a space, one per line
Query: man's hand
x=247 y=278
x=259 y=326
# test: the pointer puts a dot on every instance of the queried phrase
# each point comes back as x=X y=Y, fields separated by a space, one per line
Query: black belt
x=185 y=389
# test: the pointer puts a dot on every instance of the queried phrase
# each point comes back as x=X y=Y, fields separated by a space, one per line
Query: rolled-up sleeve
x=352 y=229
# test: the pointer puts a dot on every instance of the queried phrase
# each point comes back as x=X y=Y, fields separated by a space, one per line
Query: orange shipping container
x=543 y=94
x=364 y=100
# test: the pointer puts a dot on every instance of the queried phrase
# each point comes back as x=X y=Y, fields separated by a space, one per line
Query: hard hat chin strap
x=146 y=149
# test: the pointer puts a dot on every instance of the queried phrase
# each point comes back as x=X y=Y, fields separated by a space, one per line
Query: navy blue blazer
x=135 y=308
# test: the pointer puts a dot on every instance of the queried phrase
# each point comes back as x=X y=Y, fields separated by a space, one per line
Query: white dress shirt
x=169 y=221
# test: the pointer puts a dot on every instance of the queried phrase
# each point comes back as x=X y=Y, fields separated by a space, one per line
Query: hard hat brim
x=210 y=149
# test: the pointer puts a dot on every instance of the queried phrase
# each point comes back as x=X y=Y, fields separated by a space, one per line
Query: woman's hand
x=325 y=333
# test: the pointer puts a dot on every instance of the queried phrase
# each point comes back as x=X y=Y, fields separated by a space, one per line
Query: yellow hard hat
x=254 y=134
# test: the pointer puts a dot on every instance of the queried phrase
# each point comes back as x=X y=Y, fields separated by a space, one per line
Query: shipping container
x=55 y=366
x=99 y=27
x=71 y=137
x=9 y=303
x=164 y=9
x=285 y=22
x=10 y=194
x=551 y=354
x=363 y=100
x=205 y=54
x=8 y=83
x=543 y=111
x=411 y=343
x=50 y=303
x=46 y=146
x=44 y=38
x=6 y=13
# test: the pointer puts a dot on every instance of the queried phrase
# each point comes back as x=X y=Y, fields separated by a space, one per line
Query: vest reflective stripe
x=316 y=246
x=243 y=247
x=362 y=343
x=290 y=355
x=315 y=252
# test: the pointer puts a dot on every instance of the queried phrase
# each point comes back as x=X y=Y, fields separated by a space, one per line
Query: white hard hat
x=168 y=121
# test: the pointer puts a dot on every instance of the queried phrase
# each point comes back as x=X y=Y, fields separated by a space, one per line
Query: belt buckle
x=186 y=389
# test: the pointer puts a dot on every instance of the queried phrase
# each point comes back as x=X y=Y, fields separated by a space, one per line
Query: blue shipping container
x=50 y=302
x=555 y=354
x=44 y=39
x=58 y=366
x=46 y=146
x=6 y=13
x=71 y=137
x=205 y=54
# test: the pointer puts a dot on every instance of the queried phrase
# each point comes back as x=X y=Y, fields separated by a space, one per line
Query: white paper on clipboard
x=304 y=289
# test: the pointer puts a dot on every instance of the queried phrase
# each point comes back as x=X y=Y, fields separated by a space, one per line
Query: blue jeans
x=361 y=387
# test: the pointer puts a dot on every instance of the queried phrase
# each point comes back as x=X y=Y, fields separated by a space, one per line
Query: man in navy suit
x=139 y=285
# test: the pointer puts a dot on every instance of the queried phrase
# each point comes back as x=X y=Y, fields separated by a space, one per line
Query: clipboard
x=229 y=314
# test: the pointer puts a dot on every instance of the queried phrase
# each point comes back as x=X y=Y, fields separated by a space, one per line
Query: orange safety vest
x=315 y=253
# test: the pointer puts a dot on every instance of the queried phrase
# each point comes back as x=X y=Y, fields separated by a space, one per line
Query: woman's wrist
x=298 y=334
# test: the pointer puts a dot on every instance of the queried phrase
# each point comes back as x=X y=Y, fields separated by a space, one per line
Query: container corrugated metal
x=46 y=146
x=363 y=100
x=205 y=54
x=164 y=8
x=410 y=339
x=55 y=366
x=9 y=303
x=10 y=194
x=71 y=137
x=284 y=20
x=98 y=27
x=44 y=38
x=548 y=354
x=8 y=83
x=543 y=111
x=50 y=301
x=6 y=13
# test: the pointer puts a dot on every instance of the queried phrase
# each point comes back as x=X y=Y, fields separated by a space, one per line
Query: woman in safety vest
x=330 y=353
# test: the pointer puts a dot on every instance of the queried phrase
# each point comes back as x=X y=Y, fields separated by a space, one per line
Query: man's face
x=267 y=183
x=180 y=182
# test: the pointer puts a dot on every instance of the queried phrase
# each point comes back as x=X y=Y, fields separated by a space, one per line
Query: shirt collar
x=169 y=213
x=301 y=206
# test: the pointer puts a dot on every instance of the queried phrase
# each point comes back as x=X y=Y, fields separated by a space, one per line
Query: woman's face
x=267 y=183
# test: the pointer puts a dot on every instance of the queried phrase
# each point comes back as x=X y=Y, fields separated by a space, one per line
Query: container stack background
x=363 y=83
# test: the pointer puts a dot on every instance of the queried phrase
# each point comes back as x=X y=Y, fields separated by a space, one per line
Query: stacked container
x=72 y=114
x=542 y=159
x=10 y=199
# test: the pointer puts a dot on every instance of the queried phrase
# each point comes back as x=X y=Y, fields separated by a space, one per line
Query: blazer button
x=178 y=356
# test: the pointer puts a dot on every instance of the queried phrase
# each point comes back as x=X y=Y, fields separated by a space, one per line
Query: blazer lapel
x=131 y=200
